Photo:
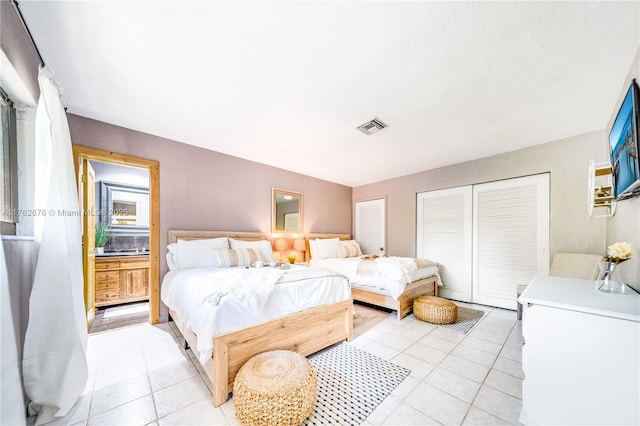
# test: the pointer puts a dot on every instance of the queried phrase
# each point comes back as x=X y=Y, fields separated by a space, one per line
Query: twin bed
x=228 y=311
x=392 y=285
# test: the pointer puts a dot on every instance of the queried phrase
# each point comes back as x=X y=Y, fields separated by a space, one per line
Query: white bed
x=391 y=282
x=191 y=294
x=229 y=314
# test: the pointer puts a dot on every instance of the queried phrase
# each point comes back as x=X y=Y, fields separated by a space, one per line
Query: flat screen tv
x=623 y=146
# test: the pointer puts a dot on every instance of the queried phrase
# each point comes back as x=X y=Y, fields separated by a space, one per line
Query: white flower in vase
x=619 y=252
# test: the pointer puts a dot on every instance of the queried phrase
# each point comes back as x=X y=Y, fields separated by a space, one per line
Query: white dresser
x=581 y=356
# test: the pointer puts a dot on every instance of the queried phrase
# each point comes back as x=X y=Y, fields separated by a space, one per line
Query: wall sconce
x=281 y=244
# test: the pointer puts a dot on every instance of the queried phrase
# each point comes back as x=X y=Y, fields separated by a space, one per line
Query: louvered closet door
x=370 y=218
x=444 y=236
x=510 y=237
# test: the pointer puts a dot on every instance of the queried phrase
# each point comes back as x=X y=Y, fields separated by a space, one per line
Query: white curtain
x=11 y=403
x=54 y=364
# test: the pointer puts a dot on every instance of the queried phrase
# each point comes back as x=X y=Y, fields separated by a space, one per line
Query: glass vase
x=604 y=281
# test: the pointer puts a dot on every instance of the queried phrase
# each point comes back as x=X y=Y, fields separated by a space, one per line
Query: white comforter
x=252 y=286
x=391 y=273
x=212 y=301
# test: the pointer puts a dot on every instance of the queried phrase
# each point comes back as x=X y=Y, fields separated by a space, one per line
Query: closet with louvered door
x=510 y=237
x=444 y=235
x=495 y=240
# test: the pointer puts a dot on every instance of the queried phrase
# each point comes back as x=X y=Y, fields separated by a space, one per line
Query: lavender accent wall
x=20 y=256
x=21 y=262
x=16 y=45
x=202 y=189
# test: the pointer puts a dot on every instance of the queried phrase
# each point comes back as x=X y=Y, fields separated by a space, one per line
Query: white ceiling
x=287 y=83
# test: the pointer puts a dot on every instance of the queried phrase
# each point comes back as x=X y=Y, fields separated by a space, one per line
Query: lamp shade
x=298 y=244
x=281 y=244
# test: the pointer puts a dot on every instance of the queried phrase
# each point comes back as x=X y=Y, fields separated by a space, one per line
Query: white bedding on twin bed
x=391 y=282
x=210 y=306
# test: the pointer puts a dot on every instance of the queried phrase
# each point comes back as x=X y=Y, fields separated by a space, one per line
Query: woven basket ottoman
x=275 y=388
x=435 y=310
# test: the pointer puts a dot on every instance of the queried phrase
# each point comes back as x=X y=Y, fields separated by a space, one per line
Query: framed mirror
x=286 y=211
x=124 y=207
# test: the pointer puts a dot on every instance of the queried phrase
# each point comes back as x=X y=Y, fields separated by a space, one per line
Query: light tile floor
x=141 y=375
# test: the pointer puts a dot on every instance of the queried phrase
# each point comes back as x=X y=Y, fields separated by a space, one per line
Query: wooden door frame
x=80 y=152
x=88 y=238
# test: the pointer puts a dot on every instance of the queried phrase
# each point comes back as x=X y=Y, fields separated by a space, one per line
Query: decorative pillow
x=349 y=248
x=197 y=253
x=327 y=247
x=263 y=246
x=226 y=258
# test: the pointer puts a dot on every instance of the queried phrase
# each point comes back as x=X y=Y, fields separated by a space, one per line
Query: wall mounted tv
x=623 y=146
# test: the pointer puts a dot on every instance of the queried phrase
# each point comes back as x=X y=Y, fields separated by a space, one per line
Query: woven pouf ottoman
x=275 y=388
x=435 y=310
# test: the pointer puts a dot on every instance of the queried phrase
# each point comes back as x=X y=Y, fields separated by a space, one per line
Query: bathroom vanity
x=121 y=279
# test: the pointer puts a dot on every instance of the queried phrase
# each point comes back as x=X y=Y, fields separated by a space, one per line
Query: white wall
x=625 y=225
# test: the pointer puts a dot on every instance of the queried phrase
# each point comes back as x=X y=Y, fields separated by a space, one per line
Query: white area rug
x=351 y=383
x=118 y=311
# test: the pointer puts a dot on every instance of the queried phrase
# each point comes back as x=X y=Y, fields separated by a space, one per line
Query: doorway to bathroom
x=121 y=292
x=119 y=195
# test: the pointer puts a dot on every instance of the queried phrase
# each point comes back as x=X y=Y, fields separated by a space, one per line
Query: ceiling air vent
x=372 y=126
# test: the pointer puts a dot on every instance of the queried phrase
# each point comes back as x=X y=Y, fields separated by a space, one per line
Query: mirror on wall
x=286 y=211
x=124 y=207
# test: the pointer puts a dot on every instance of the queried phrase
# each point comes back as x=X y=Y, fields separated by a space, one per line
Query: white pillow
x=172 y=261
x=327 y=247
x=313 y=248
x=263 y=245
x=199 y=253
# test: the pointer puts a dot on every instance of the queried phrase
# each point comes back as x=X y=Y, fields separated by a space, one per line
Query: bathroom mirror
x=286 y=211
x=124 y=207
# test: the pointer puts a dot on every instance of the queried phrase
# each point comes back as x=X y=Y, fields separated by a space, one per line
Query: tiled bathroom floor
x=141 y=375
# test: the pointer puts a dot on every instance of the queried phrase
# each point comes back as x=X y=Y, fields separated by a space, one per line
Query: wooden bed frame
x=404 y=305
x=305 y=332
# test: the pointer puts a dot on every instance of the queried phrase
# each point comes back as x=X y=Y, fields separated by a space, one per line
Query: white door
x=444 y=236
x=510 y=237
x=370 y=218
